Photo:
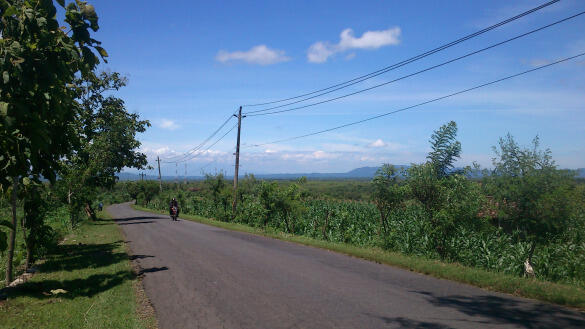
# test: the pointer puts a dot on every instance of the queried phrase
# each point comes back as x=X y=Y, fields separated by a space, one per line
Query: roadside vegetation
x=523 y=220
x=64 y=136
x=85 y=282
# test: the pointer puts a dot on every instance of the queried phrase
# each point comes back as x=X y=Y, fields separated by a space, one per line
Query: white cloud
x=320 y=51
x=260 y=55
x=168 y=124
x=378 y=143
x=539 y=62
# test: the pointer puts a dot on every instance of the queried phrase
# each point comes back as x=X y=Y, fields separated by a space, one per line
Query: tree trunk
x=26 y=242
x=12 y=232
x=324 y=231
x=382 y=228
x=89 y=211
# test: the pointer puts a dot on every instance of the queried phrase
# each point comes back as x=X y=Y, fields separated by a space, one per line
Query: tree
x=445 y=149
x=36 y=233
x=107 y=140
x=39 y=62
x=448 y=197
x=387 y=194
x=533 y=196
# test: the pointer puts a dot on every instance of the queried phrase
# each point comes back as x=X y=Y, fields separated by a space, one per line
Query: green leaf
x=61 y=3
x=102 y=51
x=6 y=77
x=26 y=181
x=6 y=223
x=10 y=11
x=3 y=108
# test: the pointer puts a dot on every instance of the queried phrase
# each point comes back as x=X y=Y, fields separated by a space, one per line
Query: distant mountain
x=124 y=176
x=363 y=172
x=358 y=173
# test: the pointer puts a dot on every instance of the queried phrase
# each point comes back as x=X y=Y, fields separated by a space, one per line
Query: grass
x=561 y=294
x=93 y=269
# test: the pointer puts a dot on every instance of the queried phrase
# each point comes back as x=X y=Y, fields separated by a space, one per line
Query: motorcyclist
x=172 y=204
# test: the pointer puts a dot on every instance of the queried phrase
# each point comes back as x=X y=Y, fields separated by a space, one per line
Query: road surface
x=199 y=276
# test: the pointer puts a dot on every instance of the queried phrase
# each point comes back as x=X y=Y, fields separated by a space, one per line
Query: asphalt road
x=199 y=276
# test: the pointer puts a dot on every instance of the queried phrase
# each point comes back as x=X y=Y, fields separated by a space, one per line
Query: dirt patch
x=144 y=308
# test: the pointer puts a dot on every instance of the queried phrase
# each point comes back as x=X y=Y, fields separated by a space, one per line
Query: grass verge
x=560 y=294
x=98 y=286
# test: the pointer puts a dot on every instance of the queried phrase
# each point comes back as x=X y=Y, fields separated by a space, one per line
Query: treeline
x=63 y=134
x=523 y=214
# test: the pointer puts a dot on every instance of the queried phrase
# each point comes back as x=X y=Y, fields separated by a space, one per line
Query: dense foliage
x=56 y=124
x=523 y=210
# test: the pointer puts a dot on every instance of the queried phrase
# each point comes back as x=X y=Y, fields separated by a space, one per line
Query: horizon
x=220 y=61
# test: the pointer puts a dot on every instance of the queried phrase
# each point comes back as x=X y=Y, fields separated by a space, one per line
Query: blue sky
x=190 y=64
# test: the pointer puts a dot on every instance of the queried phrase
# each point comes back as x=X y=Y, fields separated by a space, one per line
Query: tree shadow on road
x=134 y=223
x=513 y=311
x=401 y=322
x=126 y=219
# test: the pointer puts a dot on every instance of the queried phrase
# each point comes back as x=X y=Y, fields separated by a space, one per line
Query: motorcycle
x=174 y=212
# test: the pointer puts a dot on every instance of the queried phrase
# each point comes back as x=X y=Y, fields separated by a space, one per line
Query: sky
x=191 y=64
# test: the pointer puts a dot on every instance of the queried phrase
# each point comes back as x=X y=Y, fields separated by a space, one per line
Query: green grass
x=92 y=266
x=561 y=294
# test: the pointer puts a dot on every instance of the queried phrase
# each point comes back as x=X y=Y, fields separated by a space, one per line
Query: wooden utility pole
x=235 y=204
x=185 y=174
x=159 y=176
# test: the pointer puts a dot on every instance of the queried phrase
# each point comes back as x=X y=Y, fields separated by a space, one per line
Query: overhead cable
x=404 y=62
x=423 y=103
x=179 y=157
x=193 y=156
x=421 y=71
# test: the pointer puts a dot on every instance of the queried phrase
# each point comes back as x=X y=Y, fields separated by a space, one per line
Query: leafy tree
x=107 y=140
x=449 y=198
x=37 y=235
x=285 y=202
x=133 y=189
x=220 y=193
x=387 y=194
x=445 y=149
x=39 y=62
x=534 y=196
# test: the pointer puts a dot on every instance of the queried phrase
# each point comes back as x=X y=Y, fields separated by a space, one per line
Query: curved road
x=199 y=276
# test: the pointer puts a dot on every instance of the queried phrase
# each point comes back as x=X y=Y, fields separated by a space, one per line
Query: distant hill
x=358 y=173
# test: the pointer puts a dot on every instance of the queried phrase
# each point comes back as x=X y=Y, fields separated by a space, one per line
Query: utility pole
x=185 y=174
x=176 y=173
x=159 y=176
x=235 y=204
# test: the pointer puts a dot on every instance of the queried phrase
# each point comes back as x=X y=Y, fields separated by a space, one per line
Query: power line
x=209 y=147
x=423 y=103
x=402 y=63
x=421 y=71
x=175 y=158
